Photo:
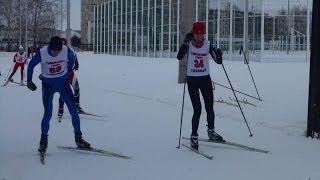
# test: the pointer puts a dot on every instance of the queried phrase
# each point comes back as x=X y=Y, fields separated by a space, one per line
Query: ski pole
x=183 y=97
x=236 y=91
x=184 y=92
x=247 y=62
x=237 y=100
x=9 y=72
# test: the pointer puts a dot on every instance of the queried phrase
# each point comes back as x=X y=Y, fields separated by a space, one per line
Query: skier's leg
x=207 y=93
x=22 y=69
x=67 y=96
x=76 y=89
x=47 y=96
x=60 y=109
x=61 y=103
x=195 y=99
x=13 y=72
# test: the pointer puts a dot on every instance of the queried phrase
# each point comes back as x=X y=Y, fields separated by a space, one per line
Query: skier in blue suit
x=57 y=62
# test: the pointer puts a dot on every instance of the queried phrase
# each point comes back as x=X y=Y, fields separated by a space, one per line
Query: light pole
x=20 y=23
x=61 y=16
x=68 y=22
x=26 y=28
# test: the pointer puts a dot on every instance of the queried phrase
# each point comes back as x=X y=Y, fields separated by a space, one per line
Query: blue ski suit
x=53 y=85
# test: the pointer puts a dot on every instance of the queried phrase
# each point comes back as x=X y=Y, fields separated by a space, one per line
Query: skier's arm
x=184 y=47
x=36 y=59
x=71 y=60
x=14 y=58
x=216 y=54
x=182 y=51
x=76 y=63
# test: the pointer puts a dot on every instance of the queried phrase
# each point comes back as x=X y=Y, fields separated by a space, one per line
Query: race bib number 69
x=55 y=69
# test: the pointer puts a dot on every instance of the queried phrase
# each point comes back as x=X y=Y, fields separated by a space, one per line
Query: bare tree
x=9 y=10
x=44 y=17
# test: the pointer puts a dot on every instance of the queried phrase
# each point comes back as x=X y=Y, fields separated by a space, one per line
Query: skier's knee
x=197 y=112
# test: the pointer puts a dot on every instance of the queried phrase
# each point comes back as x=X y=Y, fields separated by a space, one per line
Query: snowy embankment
x=141 y=101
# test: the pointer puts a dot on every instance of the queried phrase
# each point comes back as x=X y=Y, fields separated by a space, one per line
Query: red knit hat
x=199 y=27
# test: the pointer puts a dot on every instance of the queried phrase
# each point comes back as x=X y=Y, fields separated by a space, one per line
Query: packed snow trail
x=148 y=131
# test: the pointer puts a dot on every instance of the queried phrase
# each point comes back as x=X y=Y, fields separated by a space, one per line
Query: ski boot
x=194 y=142
x=79 y=109
x=81 y=143
x=213 y=136
x=43 y=145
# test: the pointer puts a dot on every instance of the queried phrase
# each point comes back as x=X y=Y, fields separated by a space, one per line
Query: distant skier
x=20 y=59
x=198 y=78
x=73 y=81
x=57 y=62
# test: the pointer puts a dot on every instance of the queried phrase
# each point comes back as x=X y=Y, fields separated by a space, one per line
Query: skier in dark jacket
x=74 y=83
x=198 y=51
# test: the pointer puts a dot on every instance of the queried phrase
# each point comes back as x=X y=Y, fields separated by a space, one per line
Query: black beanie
x=55 y=43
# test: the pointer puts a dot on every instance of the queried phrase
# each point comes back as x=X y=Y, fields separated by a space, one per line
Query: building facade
x=87 y=21
x=136 y=27
x=156 y=28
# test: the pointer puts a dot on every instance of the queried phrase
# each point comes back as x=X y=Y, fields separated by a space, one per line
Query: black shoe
x=194 y=142
x=81 y=143
x=43 y=144
x=213 y=136
x=79 y=109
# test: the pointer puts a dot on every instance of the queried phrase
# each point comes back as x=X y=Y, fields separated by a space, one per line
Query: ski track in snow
x=141 y=101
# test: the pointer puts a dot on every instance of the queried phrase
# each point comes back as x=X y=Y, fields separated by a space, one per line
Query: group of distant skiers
x=59 y=61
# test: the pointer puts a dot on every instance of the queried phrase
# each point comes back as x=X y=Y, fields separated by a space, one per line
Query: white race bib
x=53 y=67
x=198 y=60
x=21 y=58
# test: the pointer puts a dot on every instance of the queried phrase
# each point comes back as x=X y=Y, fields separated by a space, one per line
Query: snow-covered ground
x=141 y=101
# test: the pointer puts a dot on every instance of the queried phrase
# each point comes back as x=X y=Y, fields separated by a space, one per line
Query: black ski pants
x=202 y=83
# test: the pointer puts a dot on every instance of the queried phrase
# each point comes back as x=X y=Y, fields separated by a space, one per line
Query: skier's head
x=198 y=30
x=64 y=41
x=21 y=50
x=55 y=45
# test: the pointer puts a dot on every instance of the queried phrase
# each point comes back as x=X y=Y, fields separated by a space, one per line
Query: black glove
x=31 y=86
x=219 y=56
x=76 y=65
x=188 y=37
x=76 y=68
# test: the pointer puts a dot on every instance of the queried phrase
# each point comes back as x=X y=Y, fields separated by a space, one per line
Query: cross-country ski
x=229 y=143
x=95 y=150
x=198 y=152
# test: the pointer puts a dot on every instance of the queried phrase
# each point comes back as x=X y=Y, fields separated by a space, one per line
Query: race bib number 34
x=198 y=62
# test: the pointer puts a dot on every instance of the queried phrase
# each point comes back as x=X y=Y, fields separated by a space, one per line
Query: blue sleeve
x=36 y=59
x=71 y=60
